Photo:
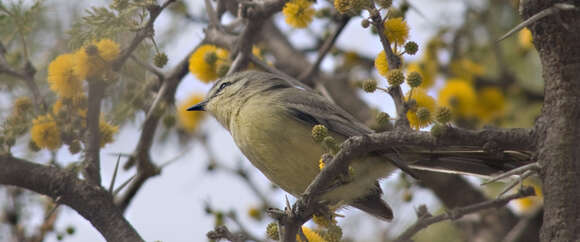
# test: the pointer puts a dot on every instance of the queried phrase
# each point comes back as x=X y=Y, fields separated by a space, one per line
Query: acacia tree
x=108 y=46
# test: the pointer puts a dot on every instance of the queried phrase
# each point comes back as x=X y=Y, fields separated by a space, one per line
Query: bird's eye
x=222 y=86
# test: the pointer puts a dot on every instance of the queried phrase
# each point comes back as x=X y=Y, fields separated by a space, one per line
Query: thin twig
x=426 y=220
x=326 y=47
x=115 y=174
x=148 y=67
x=544 y=13
x=144 y=32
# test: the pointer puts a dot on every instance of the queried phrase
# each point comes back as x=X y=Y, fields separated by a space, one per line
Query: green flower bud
x=333 y=234
x=74 y=147
x=423 y=114
x=411 y=47
x=32 y=146
x=365 y=23
x=369 y=85
x=443 y=115
x=319 y=132
x=92 y=50
x=438 y=129
x=160 y=60
x=395 y=77
x=223 y=69
x=272 y=231
x=329 y=143
x=210 y=57
x=383 y=119
x=70 y=230
x=384 y=3
x=414 y=79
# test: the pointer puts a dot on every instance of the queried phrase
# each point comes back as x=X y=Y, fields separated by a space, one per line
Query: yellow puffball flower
x=107 y=132
x=525 y=38
x=298 y=13
x=466 y=69
x=189 y=121
x=62 y=78
x=396 y=30
x=45 y=133
x=459 y=96
x=490 y=104
x=202 y=66
x=310 y=235
x=426 y=70
x=381 y=64
x=423 y=100
x=92 y=60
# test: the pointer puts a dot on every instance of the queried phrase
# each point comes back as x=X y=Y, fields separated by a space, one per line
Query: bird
x=271 y=116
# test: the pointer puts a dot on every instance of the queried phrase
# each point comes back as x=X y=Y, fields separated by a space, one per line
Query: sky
x=170 y=206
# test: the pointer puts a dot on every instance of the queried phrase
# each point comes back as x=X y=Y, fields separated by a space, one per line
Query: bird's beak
x=198 y=107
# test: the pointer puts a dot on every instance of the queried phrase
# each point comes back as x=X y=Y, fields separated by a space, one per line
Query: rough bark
x=557 y=39
x=91 y=201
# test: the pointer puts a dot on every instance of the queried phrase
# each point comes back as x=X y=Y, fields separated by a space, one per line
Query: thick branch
x=92 y=202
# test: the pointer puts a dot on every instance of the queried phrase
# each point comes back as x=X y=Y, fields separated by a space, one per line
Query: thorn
x=123 y=185
x=114 y=174
x=517 y=171
x=53 y=209
x=544 y=13
x=520 y=180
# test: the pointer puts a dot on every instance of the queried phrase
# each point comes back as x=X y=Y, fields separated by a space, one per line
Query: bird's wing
x=313 y=109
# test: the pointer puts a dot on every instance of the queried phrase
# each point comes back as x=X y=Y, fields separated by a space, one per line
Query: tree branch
x=92 y=163
x=425 y=218
x=92 y=202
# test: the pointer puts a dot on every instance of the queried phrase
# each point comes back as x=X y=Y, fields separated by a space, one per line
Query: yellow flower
x=45 y=133
x=63 y=80
x=525 y=38
x=466 y=69
x=190 y=120
x=204 y=61
x=381 y=64
x=423 y=100
x=490 y=104
x=427 y=70
x=298 y=13
x=107 y=132
x=255 y=213
x=321 y=164
x=459 y=96
x=396 y=30
x=310 y=235
x=92 y=60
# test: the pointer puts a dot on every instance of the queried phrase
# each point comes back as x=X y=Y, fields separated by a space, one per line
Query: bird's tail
x=462 y=160
x=374 y=205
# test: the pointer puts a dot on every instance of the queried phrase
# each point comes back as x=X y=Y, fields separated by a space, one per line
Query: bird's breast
x=278 y=145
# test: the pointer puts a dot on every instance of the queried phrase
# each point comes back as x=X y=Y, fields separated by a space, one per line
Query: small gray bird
x=271 y=117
